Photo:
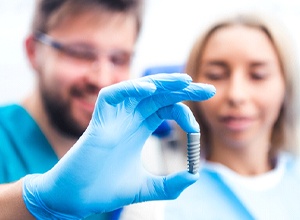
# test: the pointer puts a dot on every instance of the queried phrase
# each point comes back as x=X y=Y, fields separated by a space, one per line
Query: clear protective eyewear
x=86 y=57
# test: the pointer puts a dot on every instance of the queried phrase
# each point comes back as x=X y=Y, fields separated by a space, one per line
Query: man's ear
x=31 y=51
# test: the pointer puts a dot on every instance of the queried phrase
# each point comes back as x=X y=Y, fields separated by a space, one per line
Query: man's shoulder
x=23 y=146
x=11 y=110
x=15 y=121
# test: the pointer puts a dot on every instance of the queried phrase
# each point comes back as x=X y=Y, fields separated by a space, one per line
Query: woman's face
x=242 y=63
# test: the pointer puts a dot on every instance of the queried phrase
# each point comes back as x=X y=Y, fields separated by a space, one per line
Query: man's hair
x=49 y=13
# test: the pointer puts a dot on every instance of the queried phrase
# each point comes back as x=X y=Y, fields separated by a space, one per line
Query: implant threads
x=193 y=152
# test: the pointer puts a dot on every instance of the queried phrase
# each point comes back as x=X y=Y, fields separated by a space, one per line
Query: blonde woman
x=248 y=129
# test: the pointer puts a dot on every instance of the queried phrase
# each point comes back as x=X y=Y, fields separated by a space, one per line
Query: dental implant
x=193 y=152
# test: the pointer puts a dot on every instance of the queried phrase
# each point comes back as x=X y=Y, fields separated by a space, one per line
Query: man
x=76 y=47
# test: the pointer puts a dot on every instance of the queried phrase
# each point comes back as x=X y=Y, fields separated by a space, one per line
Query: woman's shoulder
x=291 y=163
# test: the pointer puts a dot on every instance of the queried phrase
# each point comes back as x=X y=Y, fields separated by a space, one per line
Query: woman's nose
x=237 y=91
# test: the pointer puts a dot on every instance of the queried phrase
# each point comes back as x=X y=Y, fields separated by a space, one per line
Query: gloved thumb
x=171 y=186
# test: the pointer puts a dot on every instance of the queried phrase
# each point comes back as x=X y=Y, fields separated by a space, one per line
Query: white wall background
x=170 y=27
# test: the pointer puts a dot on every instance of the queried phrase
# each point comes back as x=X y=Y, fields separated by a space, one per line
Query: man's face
x=96 y=53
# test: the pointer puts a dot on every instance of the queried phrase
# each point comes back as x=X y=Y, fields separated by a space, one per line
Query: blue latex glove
x=103 y=170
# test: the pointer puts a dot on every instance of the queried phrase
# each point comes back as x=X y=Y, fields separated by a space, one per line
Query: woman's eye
x=258 y=75
x=214 y=75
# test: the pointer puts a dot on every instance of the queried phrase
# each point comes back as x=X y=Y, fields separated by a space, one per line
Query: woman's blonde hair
x=284 y=130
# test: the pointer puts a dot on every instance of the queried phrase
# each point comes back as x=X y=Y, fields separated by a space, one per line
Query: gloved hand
x=103 y=170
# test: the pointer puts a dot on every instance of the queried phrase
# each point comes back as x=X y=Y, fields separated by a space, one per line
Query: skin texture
x=243 y=65
x=11 y=202
x=63 y=82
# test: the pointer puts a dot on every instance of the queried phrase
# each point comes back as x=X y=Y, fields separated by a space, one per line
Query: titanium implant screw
x=193 y=152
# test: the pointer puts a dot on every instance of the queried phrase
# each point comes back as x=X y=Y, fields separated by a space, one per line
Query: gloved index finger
x=193 y=92
x=116 y=93
x=169 y=81
x=143 y=87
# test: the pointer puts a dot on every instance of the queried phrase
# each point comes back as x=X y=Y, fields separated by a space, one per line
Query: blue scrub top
x=212 y=198
x=23 y=147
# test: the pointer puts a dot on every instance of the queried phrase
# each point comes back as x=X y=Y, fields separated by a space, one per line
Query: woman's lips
x=237 y=123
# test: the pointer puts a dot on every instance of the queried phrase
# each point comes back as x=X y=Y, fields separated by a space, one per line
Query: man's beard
x=59 y=114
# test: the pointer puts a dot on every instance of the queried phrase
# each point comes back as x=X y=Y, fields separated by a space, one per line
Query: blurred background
x=170 y=27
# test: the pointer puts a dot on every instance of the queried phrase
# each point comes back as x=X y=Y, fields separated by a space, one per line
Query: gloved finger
x=143 y=87
x=182 y=114
x=168 y=187
x=117 y=93
x=168 y=82
x=178 y=112
x=194 y=92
